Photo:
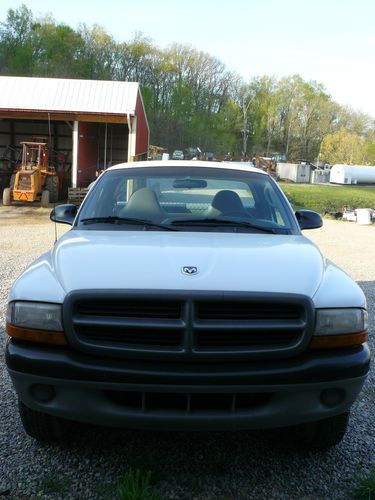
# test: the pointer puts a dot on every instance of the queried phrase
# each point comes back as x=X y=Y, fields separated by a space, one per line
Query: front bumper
x=182 y=396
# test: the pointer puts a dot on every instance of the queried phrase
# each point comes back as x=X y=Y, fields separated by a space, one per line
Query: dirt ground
x=349 y=245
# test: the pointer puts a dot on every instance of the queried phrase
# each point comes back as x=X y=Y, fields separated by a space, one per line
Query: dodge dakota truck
x=186 y=297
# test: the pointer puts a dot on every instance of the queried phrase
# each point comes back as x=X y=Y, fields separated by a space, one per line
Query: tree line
x=191 y=98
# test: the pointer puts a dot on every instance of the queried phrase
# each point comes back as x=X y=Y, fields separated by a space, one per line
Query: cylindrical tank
x=352 y=174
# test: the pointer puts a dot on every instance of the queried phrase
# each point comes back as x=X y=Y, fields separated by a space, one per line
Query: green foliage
x=136 y=485
x=53 y=483
x=53 y=46
x=344 y=147
x=323 y=197
x=370 y=152
x=15 y=42
x=365 y=487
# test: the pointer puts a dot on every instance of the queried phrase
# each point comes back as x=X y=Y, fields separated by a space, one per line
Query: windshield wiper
x=218 y=221
x=127 y=220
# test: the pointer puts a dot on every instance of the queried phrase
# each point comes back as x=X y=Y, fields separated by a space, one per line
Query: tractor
x=35 y=178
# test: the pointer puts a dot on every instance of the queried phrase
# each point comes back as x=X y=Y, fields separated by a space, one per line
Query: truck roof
x=242 y=166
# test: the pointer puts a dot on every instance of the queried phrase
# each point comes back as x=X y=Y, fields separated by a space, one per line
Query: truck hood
x=155 y=260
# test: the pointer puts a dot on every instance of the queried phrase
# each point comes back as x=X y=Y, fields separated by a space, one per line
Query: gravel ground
x=185 y=466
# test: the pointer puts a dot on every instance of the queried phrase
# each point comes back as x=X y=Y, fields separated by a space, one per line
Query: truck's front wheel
x=43 y=427
x=323 y=433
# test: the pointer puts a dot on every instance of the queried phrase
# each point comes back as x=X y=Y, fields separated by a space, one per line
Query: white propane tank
x=352 y=174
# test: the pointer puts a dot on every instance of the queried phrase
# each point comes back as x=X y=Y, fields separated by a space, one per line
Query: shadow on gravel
x=191 y=459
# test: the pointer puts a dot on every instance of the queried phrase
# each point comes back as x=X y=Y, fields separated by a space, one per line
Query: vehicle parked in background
x=186 y=297
x=36 y=177
x=209 y=156
x=177 y=155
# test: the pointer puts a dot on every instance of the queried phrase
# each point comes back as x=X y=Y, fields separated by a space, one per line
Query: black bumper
x=136 y=394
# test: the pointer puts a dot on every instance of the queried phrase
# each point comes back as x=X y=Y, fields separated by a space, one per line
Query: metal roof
x=63 y=95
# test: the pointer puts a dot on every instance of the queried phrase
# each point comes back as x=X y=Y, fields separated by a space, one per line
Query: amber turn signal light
x=337 y=341
x=39 y=336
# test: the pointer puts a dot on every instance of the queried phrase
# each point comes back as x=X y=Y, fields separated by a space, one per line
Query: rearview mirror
x=189 y=183
x=307 y=219
x=64 y=214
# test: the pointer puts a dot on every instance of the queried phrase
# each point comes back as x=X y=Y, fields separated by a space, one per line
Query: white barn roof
x=63 y=95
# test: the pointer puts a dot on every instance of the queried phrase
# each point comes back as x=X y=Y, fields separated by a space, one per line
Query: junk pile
x=359 y=215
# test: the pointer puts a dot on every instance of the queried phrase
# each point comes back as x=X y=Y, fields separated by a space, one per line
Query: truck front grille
x=190 y=325
x=188 y=402
x=229 y=310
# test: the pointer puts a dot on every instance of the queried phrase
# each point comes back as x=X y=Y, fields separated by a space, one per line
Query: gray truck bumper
x=128 y=405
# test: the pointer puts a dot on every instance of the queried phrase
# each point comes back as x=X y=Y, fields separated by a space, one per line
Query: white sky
x=330 y=41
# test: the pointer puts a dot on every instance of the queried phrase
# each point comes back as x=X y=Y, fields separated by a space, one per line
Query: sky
x=329 y=41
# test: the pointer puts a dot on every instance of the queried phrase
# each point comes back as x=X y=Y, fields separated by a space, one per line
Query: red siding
x=87 y=153
x=141 y=145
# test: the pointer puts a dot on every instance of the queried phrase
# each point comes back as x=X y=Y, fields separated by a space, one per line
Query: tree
x=343 y=147
x=53 y=45
x=15 y=42
x=97 y=54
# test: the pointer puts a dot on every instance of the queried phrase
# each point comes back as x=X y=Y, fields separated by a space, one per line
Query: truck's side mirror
x=307 y=219
x=64 y=214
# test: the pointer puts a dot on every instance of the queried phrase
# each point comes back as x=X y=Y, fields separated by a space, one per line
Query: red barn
x=95 y=123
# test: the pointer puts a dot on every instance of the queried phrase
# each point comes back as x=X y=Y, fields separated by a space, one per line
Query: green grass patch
x=145 y=461
x=365 y=487
x=328 y=197
x=136 y=485
x=53 y=483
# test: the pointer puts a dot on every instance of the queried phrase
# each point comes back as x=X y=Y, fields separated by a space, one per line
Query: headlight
x=35 y=315
x=340 y=321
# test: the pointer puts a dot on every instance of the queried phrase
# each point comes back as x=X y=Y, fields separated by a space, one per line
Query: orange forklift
x=35 y=178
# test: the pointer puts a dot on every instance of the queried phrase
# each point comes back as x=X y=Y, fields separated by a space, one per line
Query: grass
x=136 y=485
x=328 y=197
x=52 y=483
x=365 y=488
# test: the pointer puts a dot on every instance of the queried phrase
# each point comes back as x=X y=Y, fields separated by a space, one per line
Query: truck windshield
x=188 y=198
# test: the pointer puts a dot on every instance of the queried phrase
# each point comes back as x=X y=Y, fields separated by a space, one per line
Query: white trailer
x=352 y=174
x=296 y=172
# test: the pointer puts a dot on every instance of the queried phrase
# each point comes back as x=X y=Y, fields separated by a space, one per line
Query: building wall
x=117 y=144
x=87 y=153
x=141 y=146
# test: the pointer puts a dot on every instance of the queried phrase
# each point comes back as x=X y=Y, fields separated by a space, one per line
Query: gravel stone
x=203 y=466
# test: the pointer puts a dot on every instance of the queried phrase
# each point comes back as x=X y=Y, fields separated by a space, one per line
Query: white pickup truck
x=186 y=297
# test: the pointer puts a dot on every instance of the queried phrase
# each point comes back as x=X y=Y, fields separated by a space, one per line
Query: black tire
x=323 y=433
x=43 y=427
x=12 y=180
x=45 y=199
x=6 y=197
x=52 y=185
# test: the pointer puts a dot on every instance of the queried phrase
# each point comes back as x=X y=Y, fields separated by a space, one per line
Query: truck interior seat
x=226 y=202
x=143 y=204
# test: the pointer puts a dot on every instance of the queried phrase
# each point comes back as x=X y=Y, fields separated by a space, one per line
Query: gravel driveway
x=202 y=466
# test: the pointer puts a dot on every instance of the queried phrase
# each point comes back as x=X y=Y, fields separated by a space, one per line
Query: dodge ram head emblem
x=189 y=270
